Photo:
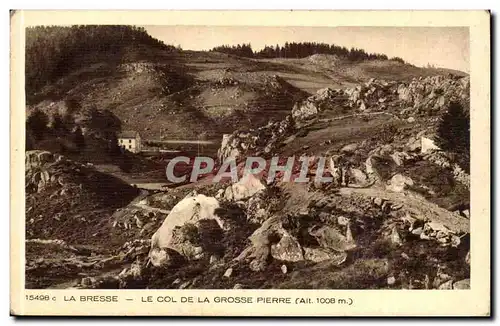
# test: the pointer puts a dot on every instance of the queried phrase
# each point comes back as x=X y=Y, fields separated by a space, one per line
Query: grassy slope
x=182 y=93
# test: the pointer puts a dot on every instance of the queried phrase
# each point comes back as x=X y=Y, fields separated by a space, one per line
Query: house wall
x=130 y=144
x=138 y=143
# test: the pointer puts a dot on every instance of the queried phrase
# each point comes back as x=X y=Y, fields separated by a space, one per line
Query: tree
x=58 y=125
x=37 y=124
x=453 y=133
x=78 y=138
x=53 y=51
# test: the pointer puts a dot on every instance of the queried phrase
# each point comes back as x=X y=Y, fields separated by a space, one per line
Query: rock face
x=190 y=210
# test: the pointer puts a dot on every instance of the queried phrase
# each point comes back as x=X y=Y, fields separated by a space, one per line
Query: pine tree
x=78 y=138
x=37 y=124
x=454 y=133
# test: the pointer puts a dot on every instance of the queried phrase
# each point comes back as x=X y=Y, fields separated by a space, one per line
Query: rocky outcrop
x=324 y=99
x=372 y=95
x=433 y=93
x=260 y=141
x=420 y=95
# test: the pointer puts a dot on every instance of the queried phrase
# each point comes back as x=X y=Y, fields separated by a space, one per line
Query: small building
x=130 y=141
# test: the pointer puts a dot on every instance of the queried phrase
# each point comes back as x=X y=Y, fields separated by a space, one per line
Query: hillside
x=155 y=89
x=395 y=214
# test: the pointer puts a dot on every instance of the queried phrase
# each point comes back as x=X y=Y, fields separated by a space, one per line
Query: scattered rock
x=391 y=280
x=395 y=237
x=417 y=231
x=228 y=272
x=448 y=285
x=88 y=281
x=351 y=148
x=342 y=220
x=284 y=269
x=359 y=177
x=378 y=201
x=462 y=285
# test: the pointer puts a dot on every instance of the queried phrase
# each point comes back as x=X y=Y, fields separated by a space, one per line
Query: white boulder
x=189 y=210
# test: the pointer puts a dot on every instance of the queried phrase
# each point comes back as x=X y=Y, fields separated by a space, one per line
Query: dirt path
x=417 y=206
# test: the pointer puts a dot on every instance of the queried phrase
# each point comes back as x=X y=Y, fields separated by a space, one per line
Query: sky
x=445 y=47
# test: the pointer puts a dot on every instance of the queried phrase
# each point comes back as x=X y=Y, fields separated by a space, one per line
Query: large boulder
x=287 y=249
x=399 y=182
x=359 y=177
x=350 y=148
x=245 y=188
x=428 y=145
x=331 y=238
x=190 y=210
x=462 y=285
x=380 y=167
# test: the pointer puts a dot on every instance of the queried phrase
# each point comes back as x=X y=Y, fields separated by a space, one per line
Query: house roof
x=127 y=134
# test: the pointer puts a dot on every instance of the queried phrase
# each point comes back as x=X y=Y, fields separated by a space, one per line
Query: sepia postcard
x=250 y=163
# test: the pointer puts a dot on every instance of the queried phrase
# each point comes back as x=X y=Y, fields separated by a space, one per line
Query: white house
x=130 y=141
